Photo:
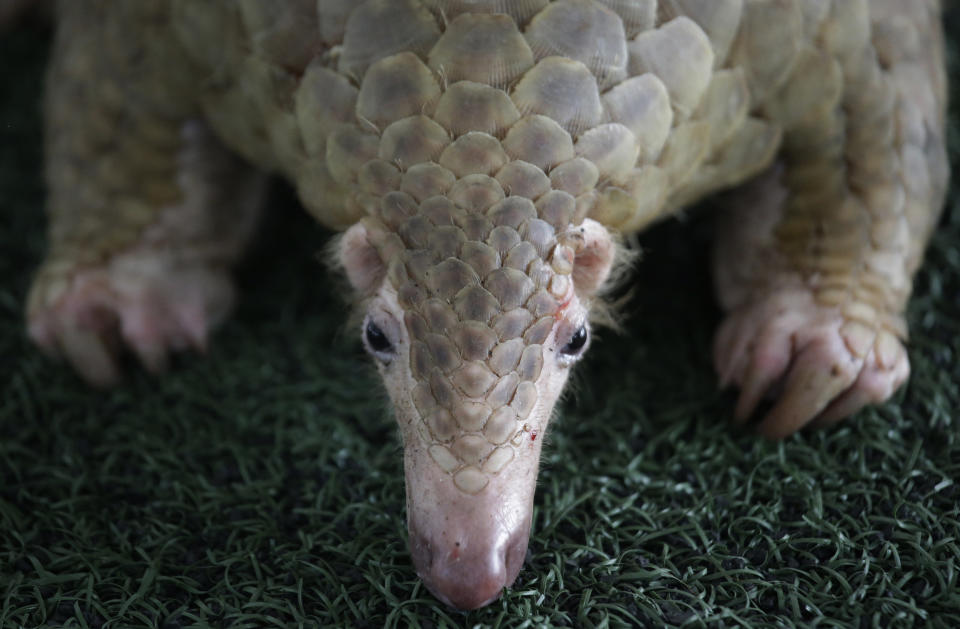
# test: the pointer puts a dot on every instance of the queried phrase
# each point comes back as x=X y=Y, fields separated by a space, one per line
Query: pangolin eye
x=576 y=343
x=377 y=342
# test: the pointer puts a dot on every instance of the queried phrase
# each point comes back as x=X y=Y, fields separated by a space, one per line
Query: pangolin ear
x=360 y=260
x=594 y=260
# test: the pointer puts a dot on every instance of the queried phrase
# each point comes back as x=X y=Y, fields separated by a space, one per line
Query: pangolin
x=483 y=158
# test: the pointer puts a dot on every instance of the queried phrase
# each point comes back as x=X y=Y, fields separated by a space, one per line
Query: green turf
x=262 y=485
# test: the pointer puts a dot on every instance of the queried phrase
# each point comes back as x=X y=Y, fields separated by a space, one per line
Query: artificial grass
x=262 y=484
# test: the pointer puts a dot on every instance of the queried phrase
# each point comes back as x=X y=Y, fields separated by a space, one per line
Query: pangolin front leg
x=147 y=209
x=815 y=259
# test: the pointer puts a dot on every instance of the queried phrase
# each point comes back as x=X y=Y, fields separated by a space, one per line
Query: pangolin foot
x=147 y=301
x=820 y=365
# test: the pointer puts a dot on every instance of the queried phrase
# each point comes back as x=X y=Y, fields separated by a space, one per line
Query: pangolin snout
x=467 y=567
x=467 y=546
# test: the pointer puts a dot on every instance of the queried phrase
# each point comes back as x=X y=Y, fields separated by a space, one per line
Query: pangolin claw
x=789 y=344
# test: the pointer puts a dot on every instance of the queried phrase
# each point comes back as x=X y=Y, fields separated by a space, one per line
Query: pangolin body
x=478 y=154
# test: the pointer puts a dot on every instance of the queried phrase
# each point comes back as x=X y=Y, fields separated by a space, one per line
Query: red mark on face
x=533 y=436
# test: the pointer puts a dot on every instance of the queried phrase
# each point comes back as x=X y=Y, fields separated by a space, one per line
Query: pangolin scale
x=480 y=155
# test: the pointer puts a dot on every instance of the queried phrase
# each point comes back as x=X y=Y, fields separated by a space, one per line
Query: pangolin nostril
x=420 y=552
x=516 y=554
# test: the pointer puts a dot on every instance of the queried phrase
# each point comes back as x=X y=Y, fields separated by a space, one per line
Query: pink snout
x=468 y=546
x=468 y=566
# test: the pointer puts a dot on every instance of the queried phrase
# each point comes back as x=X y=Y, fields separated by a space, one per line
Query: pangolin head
x=470 y=169
x=477 y=303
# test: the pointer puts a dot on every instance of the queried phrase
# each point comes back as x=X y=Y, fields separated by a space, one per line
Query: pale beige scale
x=482 y=153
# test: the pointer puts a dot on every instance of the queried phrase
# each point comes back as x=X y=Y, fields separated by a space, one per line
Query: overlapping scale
x=380 y=28
x=563 y=90
x=719 y=19
x=468 y=106
x=396 y=87
x=584 y=31
x=323 y=100
x=680 y=54
x=486 y=49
